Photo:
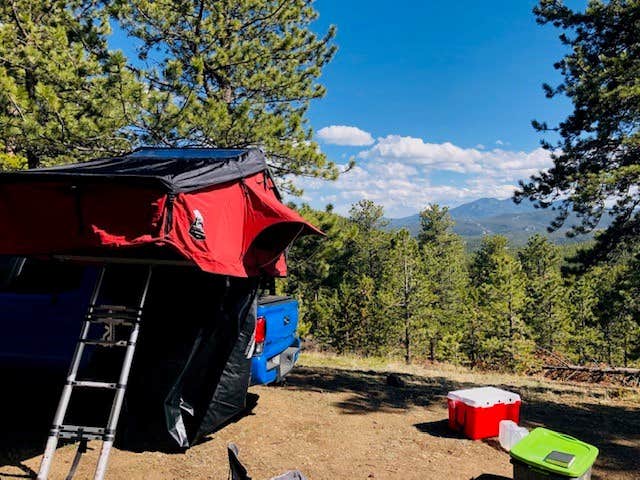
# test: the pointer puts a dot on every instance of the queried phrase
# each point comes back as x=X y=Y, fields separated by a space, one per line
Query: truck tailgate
x=281 y=316
x=279 y=352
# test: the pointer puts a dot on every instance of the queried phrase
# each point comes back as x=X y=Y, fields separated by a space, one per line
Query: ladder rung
x=112 y=320
x=77 y=432
x=106 y=343
x=92 y=384
x=118 y=308
x=112 y=313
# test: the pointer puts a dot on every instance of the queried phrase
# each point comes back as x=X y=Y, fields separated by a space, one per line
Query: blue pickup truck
x=53 y=297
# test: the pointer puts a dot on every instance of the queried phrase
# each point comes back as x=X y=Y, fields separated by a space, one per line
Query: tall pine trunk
x=32 y=159
x=30 y=84
x=407 y=316
x=407 y=338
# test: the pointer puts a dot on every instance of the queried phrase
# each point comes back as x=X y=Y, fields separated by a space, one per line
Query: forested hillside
x=369 y=290
x=516 y=222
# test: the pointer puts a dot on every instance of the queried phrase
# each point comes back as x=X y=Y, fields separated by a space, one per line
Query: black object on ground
x=237 y=470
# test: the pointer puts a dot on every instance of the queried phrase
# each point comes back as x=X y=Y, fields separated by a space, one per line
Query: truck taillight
x=261 y=334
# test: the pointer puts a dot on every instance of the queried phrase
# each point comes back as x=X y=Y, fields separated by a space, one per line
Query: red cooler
x=477 y=411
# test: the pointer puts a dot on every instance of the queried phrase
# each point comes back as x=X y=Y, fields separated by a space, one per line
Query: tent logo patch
x=197 y=226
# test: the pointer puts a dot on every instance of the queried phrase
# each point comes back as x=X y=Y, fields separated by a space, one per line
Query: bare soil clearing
x=347 y=420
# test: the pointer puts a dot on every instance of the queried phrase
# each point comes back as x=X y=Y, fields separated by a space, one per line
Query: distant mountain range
x=490 y=216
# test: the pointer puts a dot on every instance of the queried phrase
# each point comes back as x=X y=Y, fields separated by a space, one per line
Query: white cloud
x=406 y=173
x=345 y=135
x=449 y=157
x=445 y=156
x=511 y=163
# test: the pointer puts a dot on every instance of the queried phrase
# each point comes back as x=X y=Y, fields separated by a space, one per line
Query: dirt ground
x=342 y=420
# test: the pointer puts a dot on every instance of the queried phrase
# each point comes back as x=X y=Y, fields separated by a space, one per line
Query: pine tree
x=62 y=91
x=362 y=275
x=370 y=244
x=630 y=285
x=545 y=310
x=503 y=336
x=596 y=158
x=484 y=259
x=585 y=341
x=321 y=319
x=356 y=315
x=405 y=292
x=436 y=226
x=614 y=311
x=445 y=267
x=232 y=74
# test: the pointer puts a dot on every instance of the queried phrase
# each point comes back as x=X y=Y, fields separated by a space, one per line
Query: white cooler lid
x=483 y=396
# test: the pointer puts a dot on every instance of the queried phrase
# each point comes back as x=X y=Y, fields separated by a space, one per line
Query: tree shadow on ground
x=372 y=391
x=614 y=429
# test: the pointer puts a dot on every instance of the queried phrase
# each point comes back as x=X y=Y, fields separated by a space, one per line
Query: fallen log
x=602 y=370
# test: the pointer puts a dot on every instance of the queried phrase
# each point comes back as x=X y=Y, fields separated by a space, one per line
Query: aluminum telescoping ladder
x=110 y=316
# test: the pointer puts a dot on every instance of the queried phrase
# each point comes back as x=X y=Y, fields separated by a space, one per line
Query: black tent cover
x=175 y=169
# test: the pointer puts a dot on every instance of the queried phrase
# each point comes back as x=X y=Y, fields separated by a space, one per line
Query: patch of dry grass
x=531 y=386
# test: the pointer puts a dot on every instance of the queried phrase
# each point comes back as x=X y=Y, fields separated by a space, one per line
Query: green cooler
x=548 y=455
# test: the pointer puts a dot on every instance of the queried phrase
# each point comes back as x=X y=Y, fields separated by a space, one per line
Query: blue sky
x=433 y=99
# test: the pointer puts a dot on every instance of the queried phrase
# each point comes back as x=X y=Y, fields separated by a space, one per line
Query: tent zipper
x=169 y=207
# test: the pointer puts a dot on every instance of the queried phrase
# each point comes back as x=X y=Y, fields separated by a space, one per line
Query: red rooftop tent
x=217 y=209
